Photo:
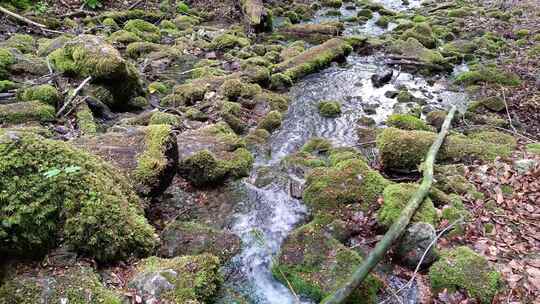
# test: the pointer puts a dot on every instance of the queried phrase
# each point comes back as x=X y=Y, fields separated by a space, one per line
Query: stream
x=269 y=212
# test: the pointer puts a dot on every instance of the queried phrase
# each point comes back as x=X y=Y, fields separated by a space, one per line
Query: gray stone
x=152 y=285
x=382 y=78
x=414 y=243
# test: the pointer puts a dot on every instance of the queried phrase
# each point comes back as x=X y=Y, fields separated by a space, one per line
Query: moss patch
x=329 y=108
x=45 y=93
x=144 y=30
x=407 y=122
x=21 y=112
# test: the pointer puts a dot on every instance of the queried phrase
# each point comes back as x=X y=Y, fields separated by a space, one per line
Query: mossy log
x=147 y=154
x=258 y=17
x=312 y=32
x=397 y=228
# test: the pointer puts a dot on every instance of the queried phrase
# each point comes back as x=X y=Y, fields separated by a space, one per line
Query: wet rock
x=366 y=121
x=382 y=78
x=187 y=279
x=74 y=284
x=296 y=188
x=414 y=243
x=370 y=108
x=391 y=94
x=316 y=33
x=148 y=155
x=191 y=238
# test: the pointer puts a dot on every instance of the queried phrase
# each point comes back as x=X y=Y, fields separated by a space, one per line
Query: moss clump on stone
x=413 y=48
x=396 y=197
x=138 y=49
x=228 y=41
x=69 y=195
x=184 y=95
x=271 y=121
x=85 y=120
x=487 y=74
x=277 y=102
x=204 y=168
x=77 y=284
x=161 y=118
x=421 y=32
x=123 y=37
x=144 y=30
x=45 y=93
x=257 y=136
x=332 y=3
x=231 y=113
x=158 y=87
x=407 y=122
x=191 y=279
x=6 y=85
x=110 y=24
x=329 y=108
x=235 y=88
x=533 y=148
x=22 y=42
x=315 y=264
x=463 y=268
x=402 y=150
x=280 y=81
x=6 y=60
x=21 y=112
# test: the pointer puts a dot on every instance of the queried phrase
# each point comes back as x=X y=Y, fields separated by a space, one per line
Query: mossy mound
x=421 y=32
x=396 y=197
x=463 y=268
x=271 y=121
x=161 y=118
x=228 y=41
x=185 y=95
x=77 y=284
x=144 y=30
x=191 y=238
x=329 y=108
x=21 y=112
x=315 y=264
x=85 y=120
x=22 y=42
x=148 y=155
x=407 y=122
x=186 y=279
x=411 y=47
x=70 y=196
x=487 y=74
x=89 y=55
x=315 y=33
x=401 y=150
x=235 y=88
x=45 y=93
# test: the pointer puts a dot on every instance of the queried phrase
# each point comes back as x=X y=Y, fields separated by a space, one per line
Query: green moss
x=22 y=42
x=271 y=121
x=139 y=49
x=110 y=24
x=459 y=12
x=183 y=22
x=68 y=194
x=315 y=264
x=522 y=33
x=396 y=197
x=329 y=108
x=407 y=122
x=153 y=161
x=235 y=88
x=365 y=13
x=21 y=112
x=277 y=102
x=421 y=32
x=196 y=280
x=124 y=37
x=206 y=71
x=488 y=74
x=257 y=136
x=6 y=60
x=405 y=150
x=77 y=284
x=383 y=21
x=85 y=120
x=184 y=95
x=413 y=48
x=332 y=3
x=161 y=118
x=231 y=113
x=463 y=268
x=144 y=30
x=45 y=93
x=228 y=41
x=280 y=81
x=6 y=85
x=533 y=148
x=158 y=87
x=195 y=114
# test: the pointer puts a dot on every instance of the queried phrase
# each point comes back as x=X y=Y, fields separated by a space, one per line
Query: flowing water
x=270 y=211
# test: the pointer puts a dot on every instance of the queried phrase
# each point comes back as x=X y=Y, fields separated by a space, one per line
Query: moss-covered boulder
x=271 y=121
x=487 y=74
x=144 y=30
x=228 y=41
x=162 y=118
x=421 y=32
x=22 y=42
x=463 y=268
x=148 y=155
x=314 y=59
x=186 y=279
x=71 y=197
x=396 y=197
x=407 y=122
x=329 y=108
x=91 y=56
x=85 y=120
x=316 y=33
x=235 y=88
x=402 y=150
x=213 y=154
x=348 y=180
x=191 y=238
x=314 y=264
x=14 y=62
x=75 y=284
x=21 y=112
x=45 y=93
x=185 y=95
x=411 y=47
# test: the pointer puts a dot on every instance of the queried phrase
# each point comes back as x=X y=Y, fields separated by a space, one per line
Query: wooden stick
x=397 y=228
x=72 y=97
x=21 y=18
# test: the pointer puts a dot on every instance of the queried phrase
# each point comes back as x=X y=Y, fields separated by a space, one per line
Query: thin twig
x=21 y=18
x=433 y=242
x=72 y=97
x=134 y=5
x=507 y=111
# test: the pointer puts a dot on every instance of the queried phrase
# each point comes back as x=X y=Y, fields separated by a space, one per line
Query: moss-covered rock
x=421 y=32
x=147 y=155
x=22 y=42
x=6 y=85
x=186 y=279
x=314 y=264
x=228 y=41
x=329 y=108
x=315 y=33
x=69 y=196
x=235 y=88
x=487 y=74
x=276 y=102
x=185 y=95
x=463 y=268
x=21 y=112
x=191 y=238
x=413 y=48
x=161 y=118
x=45 y=93
x=332 y=3
x=407 y=122
x=396 y=197
x=6 y=60
x=144 y=30
x=77 y=284
x=271 y=121
x=123 y=37
x=85 y=120
x=89 y=55
x=436 y=118
x=404 y=150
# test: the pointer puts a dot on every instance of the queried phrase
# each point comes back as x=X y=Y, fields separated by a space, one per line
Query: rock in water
x=382 y=78
x=414 y=243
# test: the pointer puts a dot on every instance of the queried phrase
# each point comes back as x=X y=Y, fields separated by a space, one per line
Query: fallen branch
x=397 y=228
x=21 y=18
x=73 y=95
